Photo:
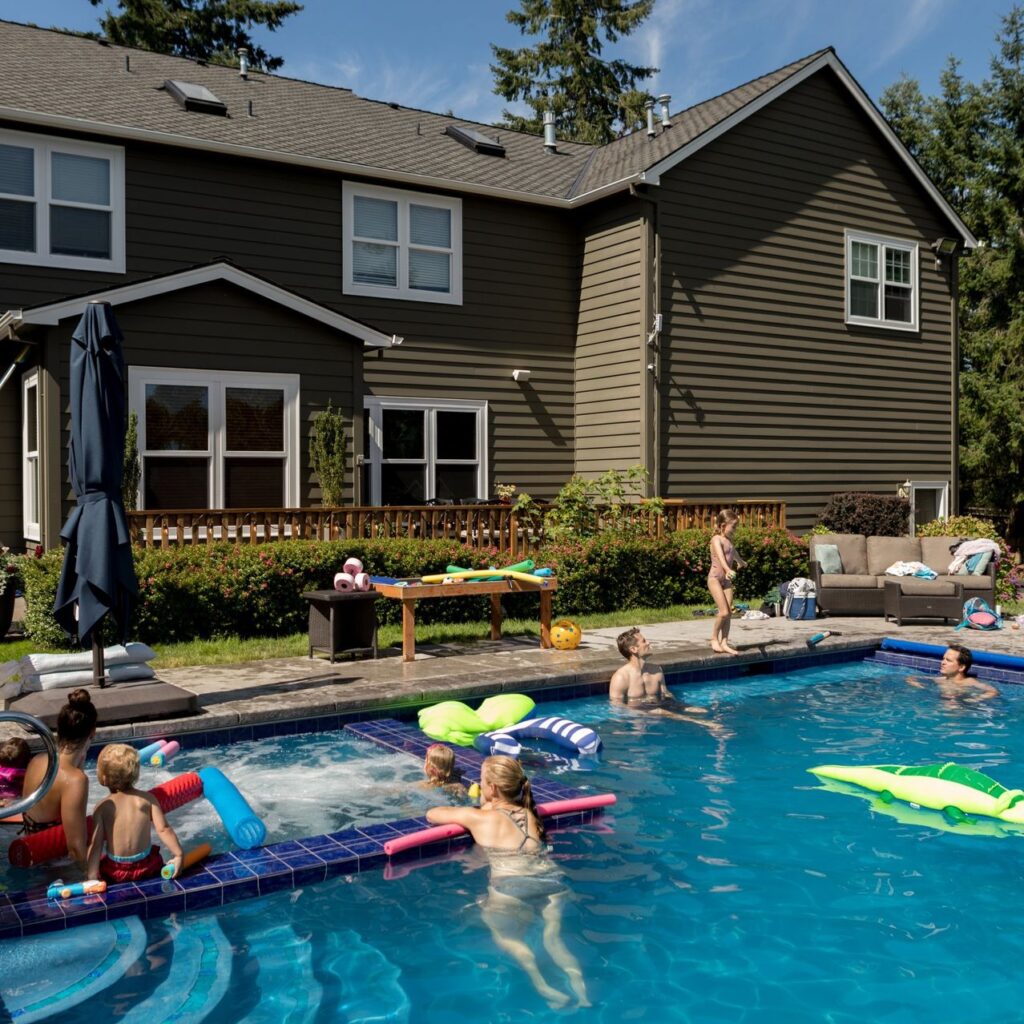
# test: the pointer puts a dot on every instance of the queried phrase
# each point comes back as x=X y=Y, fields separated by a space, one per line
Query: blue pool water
x=726 y=885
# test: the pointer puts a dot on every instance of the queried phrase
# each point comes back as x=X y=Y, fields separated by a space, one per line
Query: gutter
x=9 y=322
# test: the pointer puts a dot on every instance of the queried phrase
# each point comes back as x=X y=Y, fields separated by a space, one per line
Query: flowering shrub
x=1009 y=576
x=253 y=589
x=8 y=570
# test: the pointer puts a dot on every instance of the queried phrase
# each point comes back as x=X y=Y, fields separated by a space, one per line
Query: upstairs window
x=881 y=282
x=402 y=245
x=61 y=203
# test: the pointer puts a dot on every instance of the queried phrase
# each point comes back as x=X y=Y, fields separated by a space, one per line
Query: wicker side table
x=342 y=623
x=917 y=599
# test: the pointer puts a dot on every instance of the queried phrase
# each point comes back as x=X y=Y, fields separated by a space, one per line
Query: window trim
x=43 y=146
x=375 y=407
x=30 y=464
x=404 y=199
x=882 y=241
x=216 y=452
x=942 y=486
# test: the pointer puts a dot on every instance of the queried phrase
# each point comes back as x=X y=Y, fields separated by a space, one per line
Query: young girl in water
x=724 y=562
x=441 y=773
x=14 y=758
x=524 y=880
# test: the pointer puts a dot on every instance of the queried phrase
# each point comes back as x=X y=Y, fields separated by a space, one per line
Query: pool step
x=367 y=988
x=289 y=992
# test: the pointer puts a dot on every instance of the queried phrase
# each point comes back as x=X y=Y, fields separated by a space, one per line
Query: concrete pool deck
x=286 y=689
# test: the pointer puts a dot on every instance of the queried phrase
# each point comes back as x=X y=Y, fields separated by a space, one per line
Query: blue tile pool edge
x=287 y=865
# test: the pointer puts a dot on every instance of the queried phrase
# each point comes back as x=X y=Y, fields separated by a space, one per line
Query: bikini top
x=518 y=818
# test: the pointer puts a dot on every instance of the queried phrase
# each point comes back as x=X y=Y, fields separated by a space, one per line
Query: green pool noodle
x=525 y=566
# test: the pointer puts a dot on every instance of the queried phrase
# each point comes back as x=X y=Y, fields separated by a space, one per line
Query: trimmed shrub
x=874 y=515
x=1009 y=577
x=253 y=590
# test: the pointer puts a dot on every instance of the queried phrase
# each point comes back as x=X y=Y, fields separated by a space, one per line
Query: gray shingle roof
x=53 y=74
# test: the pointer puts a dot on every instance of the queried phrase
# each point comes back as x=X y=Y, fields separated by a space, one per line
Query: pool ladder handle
x=52 y=764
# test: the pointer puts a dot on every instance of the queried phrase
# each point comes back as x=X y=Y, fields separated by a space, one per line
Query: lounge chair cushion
x=935 y=552
x=884 y=551
x=852 y=550
x=848 y=581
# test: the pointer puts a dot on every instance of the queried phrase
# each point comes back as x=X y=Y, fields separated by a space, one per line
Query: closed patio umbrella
x=98 y=575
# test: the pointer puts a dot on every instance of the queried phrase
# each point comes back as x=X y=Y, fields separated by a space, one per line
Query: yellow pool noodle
x=473 y=574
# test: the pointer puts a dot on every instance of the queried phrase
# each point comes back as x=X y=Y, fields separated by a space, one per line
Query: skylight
x=195 y=97
x=474 y=140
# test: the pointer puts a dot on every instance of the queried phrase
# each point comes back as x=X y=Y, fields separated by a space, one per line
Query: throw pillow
x=828 y=557
x=977 y=564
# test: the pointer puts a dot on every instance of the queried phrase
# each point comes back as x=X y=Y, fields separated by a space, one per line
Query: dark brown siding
x=766 y=392
x=609 y=341
x=520 y=278
x=219 y=327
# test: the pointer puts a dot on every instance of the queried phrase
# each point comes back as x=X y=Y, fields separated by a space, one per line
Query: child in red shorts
x=123 y=821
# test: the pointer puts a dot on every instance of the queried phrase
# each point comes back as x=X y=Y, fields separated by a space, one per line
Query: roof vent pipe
x=243 y=62
x=666 y=118
x=649 y=107
x=549 y=131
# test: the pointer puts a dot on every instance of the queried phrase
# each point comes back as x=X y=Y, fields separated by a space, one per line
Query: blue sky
x=434 y=54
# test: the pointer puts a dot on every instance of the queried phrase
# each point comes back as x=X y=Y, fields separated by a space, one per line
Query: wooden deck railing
x=479 y=526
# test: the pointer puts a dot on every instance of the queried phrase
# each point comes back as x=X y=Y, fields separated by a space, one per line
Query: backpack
x=978 y=615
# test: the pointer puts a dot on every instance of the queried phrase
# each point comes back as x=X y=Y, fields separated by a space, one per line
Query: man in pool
x=641 y=684
x=954 y=682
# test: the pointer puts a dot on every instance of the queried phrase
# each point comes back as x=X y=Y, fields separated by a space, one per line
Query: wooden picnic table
x=416 y=591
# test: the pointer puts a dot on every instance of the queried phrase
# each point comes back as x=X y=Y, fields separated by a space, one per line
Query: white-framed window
x=30 y=484
x=61 y=203
x=216 y=438
x=421 y=449
x=881 y=281
x=929 y=499
x=401 y=245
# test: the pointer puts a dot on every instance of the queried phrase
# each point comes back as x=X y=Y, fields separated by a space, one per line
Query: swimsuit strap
x=28 y=826
x=522 y=825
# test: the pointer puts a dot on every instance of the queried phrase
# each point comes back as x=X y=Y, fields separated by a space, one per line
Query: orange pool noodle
x=190 y=859
x=51 y=843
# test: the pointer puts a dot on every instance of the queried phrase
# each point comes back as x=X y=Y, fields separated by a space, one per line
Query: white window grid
x=30 y=482
x=404 y=200
x=375 y=456
x=43 y=147
x=216 y=452
x=882 y=243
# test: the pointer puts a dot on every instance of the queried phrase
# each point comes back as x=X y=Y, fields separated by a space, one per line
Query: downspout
x=954 y=323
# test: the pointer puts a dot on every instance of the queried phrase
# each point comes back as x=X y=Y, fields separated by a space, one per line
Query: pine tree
x=592 y=98
x=209 y=30
x=970 y=140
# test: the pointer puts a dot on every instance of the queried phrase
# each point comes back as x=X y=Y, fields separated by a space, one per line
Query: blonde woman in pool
x=524 y=880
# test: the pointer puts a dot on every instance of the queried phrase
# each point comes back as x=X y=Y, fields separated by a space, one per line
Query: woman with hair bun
x=66 y=802
x=524 y=880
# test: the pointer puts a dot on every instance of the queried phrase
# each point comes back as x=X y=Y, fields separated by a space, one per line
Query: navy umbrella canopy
x=98 y=574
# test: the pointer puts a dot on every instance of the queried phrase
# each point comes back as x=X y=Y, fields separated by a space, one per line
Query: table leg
x=495 y=616
x=545 y=618
x=408 y=631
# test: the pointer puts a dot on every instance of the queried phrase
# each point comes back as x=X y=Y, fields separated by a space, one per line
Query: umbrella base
x=143 y=701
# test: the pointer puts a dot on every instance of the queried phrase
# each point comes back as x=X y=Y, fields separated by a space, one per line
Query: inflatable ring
x=573 y=738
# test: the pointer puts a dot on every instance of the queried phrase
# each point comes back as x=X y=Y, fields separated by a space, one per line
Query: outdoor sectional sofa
x=860 y=588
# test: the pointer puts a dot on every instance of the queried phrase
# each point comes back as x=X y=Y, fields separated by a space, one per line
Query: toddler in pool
x=441 y=773
x=14 y=759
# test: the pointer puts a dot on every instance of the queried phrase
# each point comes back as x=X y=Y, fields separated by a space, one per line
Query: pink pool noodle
x=165 y=753
x=438 y=832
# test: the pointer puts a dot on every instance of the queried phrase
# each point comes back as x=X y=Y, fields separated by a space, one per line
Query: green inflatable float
x=454 y=722
x=950 y=787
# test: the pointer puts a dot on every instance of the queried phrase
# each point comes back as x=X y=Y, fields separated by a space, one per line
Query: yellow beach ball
x=566 y=635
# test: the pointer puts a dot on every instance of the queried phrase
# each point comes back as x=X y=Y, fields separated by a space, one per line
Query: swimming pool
x=727 y=884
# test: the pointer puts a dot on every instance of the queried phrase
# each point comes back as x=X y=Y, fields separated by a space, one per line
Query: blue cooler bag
x=802 y=608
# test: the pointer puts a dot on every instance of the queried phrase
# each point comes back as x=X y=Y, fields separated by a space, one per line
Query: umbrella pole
x=99 y=671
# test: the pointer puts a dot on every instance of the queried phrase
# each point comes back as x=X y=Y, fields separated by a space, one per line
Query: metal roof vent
x=474 y=140
x=195 y=97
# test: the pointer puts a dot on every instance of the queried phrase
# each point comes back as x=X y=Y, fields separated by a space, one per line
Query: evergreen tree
x=209 y=30
x=970 y=140
x=593 y=99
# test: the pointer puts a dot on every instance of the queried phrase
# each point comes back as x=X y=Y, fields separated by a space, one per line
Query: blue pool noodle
x=989 y=658
x=147 y=752
x=241 y=824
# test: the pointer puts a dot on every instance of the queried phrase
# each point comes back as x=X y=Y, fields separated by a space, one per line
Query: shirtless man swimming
x=954 y=682
x=641 y=684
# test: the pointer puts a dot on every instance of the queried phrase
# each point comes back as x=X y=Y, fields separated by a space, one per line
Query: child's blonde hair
x=440 y=765
x=508 y=778
x=118 y=767
x=15 y=753
x=724 y=518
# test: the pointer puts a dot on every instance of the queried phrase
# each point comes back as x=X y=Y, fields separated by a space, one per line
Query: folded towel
x=35 y=681
x=43 y=664
x=918 y=569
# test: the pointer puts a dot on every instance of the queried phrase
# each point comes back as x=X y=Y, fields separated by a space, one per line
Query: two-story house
x=754 y=297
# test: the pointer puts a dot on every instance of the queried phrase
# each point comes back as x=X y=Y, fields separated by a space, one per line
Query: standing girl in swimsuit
x=65 y=803
x=724 y=562
x=524 y=879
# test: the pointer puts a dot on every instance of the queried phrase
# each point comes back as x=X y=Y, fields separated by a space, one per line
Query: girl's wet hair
x=15 y=753
x=507 y=776
x=724 y=518
x=77 y=719
x=440 y=765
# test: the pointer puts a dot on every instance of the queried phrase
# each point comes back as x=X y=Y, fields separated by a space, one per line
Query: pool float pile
x=451 y=721
x=952 y=788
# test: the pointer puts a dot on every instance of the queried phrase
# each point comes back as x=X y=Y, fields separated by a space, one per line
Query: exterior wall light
x=521 y=376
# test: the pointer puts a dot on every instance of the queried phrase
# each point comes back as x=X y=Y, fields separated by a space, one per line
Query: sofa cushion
x=977 y=565
x=935 y=552
x=974 y=583
x=852 y=550
x=884 y=551
x=924 y=588
x=848 y=581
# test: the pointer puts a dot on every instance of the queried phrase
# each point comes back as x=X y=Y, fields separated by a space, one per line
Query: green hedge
x=253 y=590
